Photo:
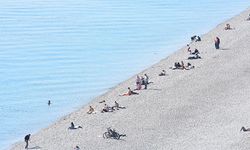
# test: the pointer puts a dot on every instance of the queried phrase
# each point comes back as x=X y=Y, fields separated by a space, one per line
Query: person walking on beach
x=26 y=139
x=217 y=43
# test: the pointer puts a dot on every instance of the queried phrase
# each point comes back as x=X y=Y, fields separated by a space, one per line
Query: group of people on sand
x=106 y=108
x=182 y=66
x=143 y=80
x=195 y=54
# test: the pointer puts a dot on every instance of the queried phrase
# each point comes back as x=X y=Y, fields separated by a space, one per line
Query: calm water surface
x=72 y=51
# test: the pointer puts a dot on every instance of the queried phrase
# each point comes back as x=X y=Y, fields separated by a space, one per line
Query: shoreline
x=173 y=77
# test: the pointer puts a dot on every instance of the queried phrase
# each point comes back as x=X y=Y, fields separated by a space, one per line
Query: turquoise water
x=70 y=52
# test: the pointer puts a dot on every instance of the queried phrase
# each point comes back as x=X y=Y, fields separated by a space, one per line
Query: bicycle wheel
x=117 y=136
x=106 y=135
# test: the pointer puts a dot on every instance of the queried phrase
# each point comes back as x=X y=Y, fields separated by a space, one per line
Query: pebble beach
x=200 y=108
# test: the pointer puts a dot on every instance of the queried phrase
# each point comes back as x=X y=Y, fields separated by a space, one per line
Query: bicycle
x=112 y=134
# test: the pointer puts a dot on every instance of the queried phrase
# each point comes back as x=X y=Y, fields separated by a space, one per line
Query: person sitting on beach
x=163 y=73
x=195 y=54
x=107 y=108
x=193 y=37
x=197 y=39
x=91 y=110
x=72 y=126
x=182 y=65
x=130 y=92
x=189 y=66
x=196 y=51
x=188 y=49
x=248 y=19
x=244 y=129
x=117 y=106
x=177 y=65
x=228 y=27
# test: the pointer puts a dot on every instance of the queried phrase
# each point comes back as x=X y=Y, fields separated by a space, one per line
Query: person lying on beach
x=130 y=92
x=117 y=106
x=77 y=148
x=72 y=126
x=163 y=73
x=103 y=101
x=91 y=110
x=244 y=129
x=194 y=56
x=107 y=108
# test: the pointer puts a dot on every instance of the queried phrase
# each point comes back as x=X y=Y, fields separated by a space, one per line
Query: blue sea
x=72 y=51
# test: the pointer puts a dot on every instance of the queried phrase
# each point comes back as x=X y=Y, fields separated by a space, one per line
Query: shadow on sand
x=36 y=147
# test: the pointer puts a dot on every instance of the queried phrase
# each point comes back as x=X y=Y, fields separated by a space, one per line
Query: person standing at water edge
x=146 y=81
x=49 y=102
x=217 y=43
x=138 y=83
x=26 y=139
